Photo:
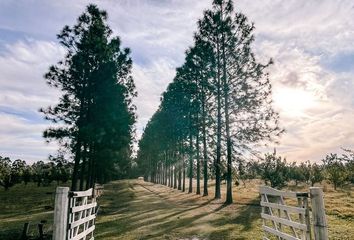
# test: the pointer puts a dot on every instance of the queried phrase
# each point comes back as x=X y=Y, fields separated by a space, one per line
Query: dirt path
x=138 y=210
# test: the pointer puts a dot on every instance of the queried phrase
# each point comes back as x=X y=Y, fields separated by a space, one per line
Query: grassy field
x=132 y=209
x=23 y=204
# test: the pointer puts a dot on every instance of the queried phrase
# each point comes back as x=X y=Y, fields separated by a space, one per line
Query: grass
x=147 y=211
x=137 y=210
x=23 y=204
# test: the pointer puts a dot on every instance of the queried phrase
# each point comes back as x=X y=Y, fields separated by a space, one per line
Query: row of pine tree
x=94 y=119
x=215 y=111
x=212 y=114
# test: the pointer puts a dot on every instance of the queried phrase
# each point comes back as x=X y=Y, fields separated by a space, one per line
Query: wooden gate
x=82 y=214
x=75 y=213
x=285 y=214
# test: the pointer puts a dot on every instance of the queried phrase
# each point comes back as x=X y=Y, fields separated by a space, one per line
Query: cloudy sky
x=311 y=42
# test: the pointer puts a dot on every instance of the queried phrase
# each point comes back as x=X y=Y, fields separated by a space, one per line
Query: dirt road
x=133 y=209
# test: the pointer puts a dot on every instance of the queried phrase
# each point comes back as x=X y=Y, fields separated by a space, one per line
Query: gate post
x=60 y=223
x=318 y=214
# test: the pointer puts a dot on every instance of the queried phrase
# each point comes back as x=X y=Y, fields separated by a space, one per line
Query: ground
x=158 y=212
x=25 y=203
x=137 y=210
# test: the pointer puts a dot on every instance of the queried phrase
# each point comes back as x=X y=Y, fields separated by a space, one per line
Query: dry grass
x=147 y=211
x=132 y=210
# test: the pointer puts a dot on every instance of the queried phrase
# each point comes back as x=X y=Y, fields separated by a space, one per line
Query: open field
x=132 y=209
x=23 y=204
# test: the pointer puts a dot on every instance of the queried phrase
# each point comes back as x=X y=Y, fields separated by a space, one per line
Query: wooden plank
x=25 y=230
x=263 y=208
x=83 y=234
x=285 y=222
x=84 y=207
x=284 y=207
x=318 y=214
x=86 y=193
x=307 y=219
x=279 y=201
x=271 y=213
x=279 y=234
x=288 y=217
x=274 y=192
x=301 y=216
x=99 y=187
x=61 y=213
x=81 y=221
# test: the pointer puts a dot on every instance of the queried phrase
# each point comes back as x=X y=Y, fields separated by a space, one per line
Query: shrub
x=274 y=170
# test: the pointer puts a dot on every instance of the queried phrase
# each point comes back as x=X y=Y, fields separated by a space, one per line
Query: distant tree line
x=275 y=171
x=94 y=119
x=41 y=173
x=217 y=107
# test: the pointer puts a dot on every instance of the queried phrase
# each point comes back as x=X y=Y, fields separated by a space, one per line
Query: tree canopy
x=95 y=115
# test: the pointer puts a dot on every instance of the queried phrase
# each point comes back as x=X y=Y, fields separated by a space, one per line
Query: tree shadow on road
x=147 y=212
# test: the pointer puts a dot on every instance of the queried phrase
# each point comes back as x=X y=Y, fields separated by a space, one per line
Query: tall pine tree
x=95 y=115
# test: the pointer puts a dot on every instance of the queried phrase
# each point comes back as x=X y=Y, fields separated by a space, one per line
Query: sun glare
x=294 y=102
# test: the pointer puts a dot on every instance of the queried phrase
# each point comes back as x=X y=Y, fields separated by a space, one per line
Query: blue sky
x=311 y=42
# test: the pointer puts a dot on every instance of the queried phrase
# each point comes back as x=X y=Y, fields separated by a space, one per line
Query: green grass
x=136 y=210
x=23 y=204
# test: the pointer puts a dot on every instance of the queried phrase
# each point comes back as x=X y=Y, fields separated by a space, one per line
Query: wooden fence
x=75 y=213
x=286 y=215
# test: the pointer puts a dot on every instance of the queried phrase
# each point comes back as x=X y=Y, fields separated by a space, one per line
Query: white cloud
x=151 y=81
x=299 y=35
x=21 y=138
x=315 y=104
x=22 y=92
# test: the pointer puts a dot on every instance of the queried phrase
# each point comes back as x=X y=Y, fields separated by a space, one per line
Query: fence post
x=318 y=214
x=61 y=213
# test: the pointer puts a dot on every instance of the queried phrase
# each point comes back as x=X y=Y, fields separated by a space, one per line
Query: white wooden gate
x=82 y=214
x=75 y=213
x=283 y=220
x=286 y=215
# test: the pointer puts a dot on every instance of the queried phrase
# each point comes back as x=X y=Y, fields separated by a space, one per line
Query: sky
x=311 y=43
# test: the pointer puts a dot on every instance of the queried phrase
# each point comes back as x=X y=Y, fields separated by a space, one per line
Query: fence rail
x=75 y=213
x=286 y=215
x=82 y=214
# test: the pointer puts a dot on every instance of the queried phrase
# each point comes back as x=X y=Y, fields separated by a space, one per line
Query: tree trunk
x=227 y=119
x=227 y=128
x=76 y=165
x=175 y=177
x=89 y=171
x=218 y=131
x=171 y=176
x=190 y=189
x=184 y=176
x=205 y=159
x=179 y=178
x=93 y=172
x=198 y=163
x=83 y=168
x=166 y=171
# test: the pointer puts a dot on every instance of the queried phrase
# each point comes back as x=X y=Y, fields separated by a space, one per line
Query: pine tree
x=95 y=113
